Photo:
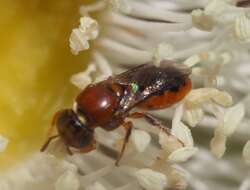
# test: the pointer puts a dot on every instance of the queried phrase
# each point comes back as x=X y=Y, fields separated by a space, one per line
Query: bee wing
x=132 y=76
x=143 y=77
x=146 y=74
x=128 y=76
x=150 y=80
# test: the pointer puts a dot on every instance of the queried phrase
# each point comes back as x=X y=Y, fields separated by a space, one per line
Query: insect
x=108 y=103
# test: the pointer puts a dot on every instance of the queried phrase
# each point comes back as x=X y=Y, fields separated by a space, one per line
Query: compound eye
x=72 y=130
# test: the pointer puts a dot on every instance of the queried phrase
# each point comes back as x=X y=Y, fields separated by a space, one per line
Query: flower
x=210 y=37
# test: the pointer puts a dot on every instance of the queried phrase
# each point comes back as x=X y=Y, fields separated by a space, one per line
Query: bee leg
x=53 y=123
x=153 y=121
x=128 y=126
x=50 y=132
x=44 y=147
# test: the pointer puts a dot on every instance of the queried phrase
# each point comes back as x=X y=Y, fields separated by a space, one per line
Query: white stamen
x=178 y=115
x=96 y=186
x=182 y=154
x=193 y=60
x=96 y=6
x=151 y=180
x=246 y=152
x=141 y=139
x=145 y=27
x=163 y=51
x=88 y=30
x=198 y=96
x=121 y=6
x=103 y=66
x=82 y=79
x=68 y=181
x=218 y=144
x=202 y=21
x=242 y=28
x=183 y=133
x=193 y=116
x=124 y=54
x=232 y=119
x=129 y=38
x=143 y=10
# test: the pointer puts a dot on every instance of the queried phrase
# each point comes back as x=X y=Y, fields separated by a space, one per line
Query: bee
x=108 y=103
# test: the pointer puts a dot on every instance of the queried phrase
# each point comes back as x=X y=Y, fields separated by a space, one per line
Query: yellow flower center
x=35 y=68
